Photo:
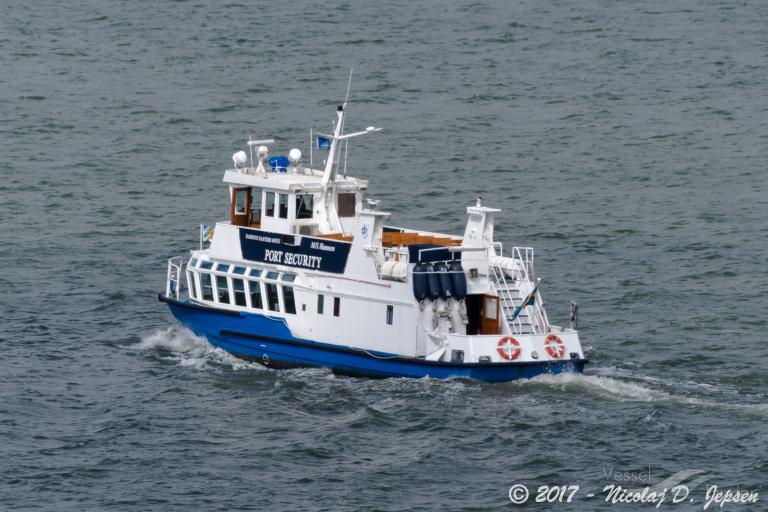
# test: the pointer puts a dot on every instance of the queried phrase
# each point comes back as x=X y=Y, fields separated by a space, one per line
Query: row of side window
x=248 y=292
x=321 y=305
x=245 y=292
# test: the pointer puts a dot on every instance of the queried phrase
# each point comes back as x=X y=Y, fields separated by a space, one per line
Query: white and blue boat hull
x=269 y=341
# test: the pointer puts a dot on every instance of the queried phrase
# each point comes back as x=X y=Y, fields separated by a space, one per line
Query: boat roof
x=304 y=179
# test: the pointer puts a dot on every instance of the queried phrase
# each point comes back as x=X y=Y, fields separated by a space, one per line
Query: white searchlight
x=240 y=159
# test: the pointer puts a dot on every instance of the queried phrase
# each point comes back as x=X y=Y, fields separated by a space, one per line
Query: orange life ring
x=508 y=348
x=554 y=346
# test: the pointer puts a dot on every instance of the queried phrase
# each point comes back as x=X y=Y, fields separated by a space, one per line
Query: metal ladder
x=511 y=297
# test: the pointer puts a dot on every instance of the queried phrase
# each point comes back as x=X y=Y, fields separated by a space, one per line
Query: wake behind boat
x=307 y=273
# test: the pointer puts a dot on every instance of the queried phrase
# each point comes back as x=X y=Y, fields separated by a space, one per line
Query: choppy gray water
x=626 y=141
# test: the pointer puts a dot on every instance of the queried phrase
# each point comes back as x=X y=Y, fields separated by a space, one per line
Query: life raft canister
x=508 y=348
x=554 y=346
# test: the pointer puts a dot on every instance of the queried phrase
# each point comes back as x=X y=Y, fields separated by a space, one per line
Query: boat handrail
x=173 y=278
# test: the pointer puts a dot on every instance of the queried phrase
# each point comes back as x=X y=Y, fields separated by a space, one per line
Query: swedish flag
x=530 y=300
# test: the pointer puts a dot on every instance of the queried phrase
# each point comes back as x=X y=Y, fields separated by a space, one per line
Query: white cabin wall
x=362 y=320
x=226 y=243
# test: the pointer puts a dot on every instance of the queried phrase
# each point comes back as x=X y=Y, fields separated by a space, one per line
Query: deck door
x=241 y=206
x=490 y=314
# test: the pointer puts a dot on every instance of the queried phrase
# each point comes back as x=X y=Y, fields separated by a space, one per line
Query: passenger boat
x=307 y=273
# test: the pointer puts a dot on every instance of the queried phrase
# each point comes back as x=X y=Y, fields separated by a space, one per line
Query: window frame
x=282 y=206
x=218 y=292
x=235 y=291
x=191 y=284
x=270 y=202
x=286 y=309
x=249 y=294
x=343 y=205
x=267 y=288
x=241 y=208
x=298 y=202
x=210 y=286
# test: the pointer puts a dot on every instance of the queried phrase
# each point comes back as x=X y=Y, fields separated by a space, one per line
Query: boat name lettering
x=294 y=251
x=322 y=246
x=293 y=259
x=261 y=238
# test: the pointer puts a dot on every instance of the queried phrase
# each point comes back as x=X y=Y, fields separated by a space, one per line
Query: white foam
x=621 y=390
x=189 y=350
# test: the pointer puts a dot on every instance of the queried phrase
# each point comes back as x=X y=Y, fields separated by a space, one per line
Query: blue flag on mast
x=323 y=143
x=530 y=300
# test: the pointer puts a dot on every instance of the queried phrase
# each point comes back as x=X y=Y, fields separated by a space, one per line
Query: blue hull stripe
x=269 y=341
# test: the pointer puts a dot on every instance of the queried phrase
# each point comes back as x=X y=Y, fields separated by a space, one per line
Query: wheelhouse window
x=239 y=270
x=241 y=201
x=273 y=302
x=254 y=289
x=336 y=306
x=283 y=214
x=390 y=314
x=255 y=206
x=192 y=263
x=222 y=289
x=206 y=265
x=239 y=288
x=269 y=205
x=346 y=204
x=206 y=286
x=304 y=203
x=222 y=267
x=320 y=301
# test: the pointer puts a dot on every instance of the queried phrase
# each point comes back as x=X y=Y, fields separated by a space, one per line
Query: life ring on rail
x=554 y=346
x=508 y=348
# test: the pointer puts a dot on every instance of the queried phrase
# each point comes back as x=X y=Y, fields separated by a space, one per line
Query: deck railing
x=173 y=279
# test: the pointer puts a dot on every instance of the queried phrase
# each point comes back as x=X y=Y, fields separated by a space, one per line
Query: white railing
x=525 y=256
x=524 y=281
x=173 y=279
x=508 y=303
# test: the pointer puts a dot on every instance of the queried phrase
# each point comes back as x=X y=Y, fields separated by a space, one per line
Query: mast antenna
x=346 y=100
x=349 y=84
